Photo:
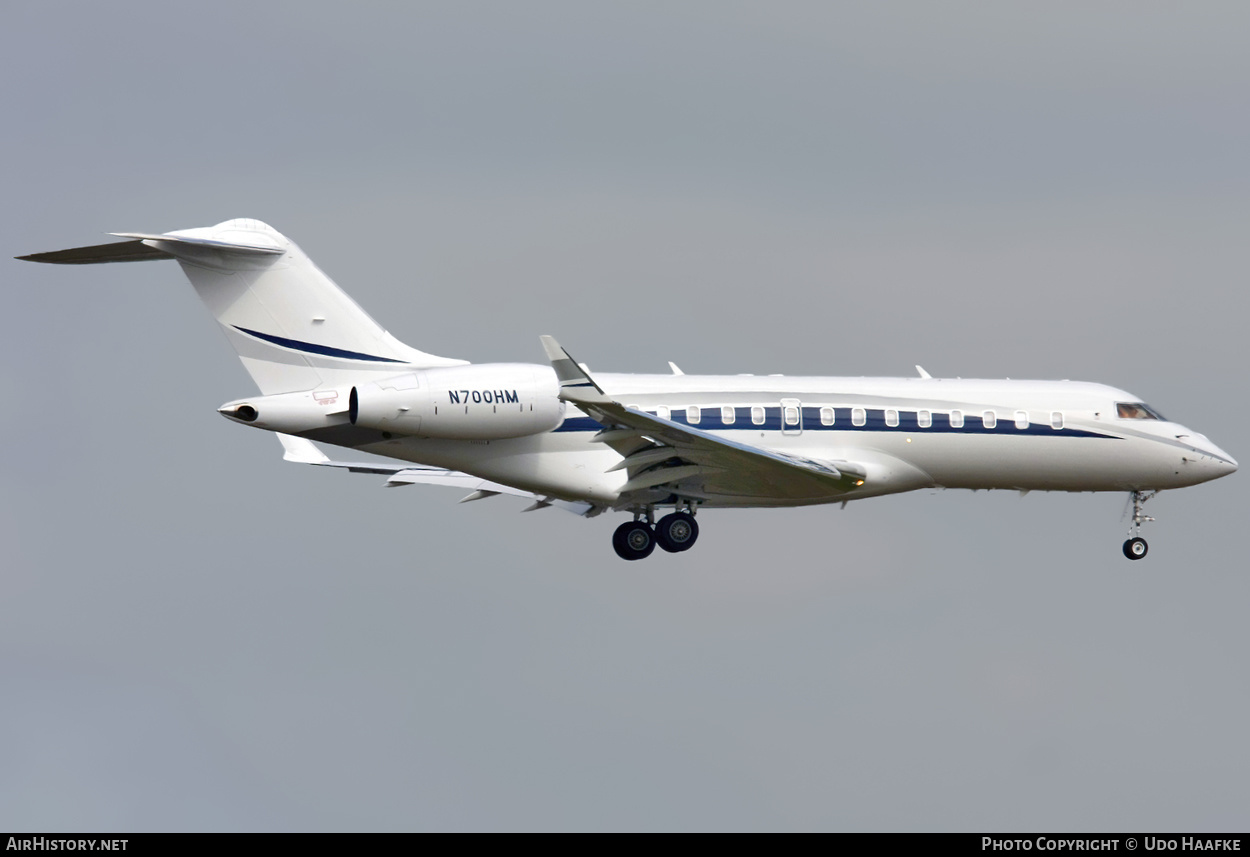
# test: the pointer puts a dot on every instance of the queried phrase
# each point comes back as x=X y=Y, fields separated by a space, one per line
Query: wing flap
x=666 y=476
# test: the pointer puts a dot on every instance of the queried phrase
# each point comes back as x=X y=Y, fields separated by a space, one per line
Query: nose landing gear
x=675 y=532
x=1136 y=547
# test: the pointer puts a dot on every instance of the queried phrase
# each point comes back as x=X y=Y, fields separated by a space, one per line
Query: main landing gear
x=675 y=532
x=1136 y=547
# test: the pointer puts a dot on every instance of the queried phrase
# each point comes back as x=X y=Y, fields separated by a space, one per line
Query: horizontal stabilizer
x=117 y=251
x=255 y=249
x=141 y=249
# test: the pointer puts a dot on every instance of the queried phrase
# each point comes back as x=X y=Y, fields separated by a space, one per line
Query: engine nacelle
x=487 y=401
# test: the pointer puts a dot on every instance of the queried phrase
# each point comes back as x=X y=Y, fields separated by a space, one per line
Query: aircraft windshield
x=1137 y=411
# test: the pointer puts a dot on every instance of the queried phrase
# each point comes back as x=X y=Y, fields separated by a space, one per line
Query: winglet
x=300 y=450
x=923 y=374
x=576 y=385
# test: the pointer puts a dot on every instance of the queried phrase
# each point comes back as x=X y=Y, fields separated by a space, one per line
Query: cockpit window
x=1137 y=411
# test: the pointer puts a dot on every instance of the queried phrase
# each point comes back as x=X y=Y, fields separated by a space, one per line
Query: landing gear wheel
x=1135 y=548
x=633 y=540
x=676 y=532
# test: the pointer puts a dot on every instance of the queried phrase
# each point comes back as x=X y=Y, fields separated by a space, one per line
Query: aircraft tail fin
x=292 y=327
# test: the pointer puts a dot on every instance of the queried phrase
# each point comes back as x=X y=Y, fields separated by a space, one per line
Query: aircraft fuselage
x=908 y=432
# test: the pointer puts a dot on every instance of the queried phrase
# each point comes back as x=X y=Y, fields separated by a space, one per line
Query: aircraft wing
x=303 y=451
x=659 y=454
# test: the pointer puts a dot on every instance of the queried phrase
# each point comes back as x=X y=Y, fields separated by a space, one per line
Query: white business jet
x=637 y=443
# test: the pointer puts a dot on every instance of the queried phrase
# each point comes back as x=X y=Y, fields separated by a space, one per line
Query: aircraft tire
x=676 y=532
x=1135 y=548
x=633 y=540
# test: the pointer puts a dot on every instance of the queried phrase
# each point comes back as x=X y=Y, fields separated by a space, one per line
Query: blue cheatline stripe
x=312 y=348
x=874 y=420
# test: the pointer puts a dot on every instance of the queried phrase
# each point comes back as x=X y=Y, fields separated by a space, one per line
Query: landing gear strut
x=675 y=532
x=1136 y=547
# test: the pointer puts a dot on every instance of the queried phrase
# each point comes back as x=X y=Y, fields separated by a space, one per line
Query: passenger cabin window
x=692 y=414
x=957 y=419
x=859 y=417
x=891 y=418
x=1022 y=419
x=989 y=419
x=662 y=412
x=757 y=415
x=792 y=416
x=924 y=419
x=727 y=415
x=1136 y=411
x=1056 y=420
x=826 y=416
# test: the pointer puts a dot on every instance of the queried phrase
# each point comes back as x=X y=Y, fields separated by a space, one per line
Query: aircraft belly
x=1043 y=463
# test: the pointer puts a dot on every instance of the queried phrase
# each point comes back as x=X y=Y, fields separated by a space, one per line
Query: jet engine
x=487 y=401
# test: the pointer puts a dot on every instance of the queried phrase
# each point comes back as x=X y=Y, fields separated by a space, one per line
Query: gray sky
x=196 y=635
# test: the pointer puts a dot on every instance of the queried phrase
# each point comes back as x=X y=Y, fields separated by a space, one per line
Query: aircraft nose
x=1202 y=460
x=1216 y=460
